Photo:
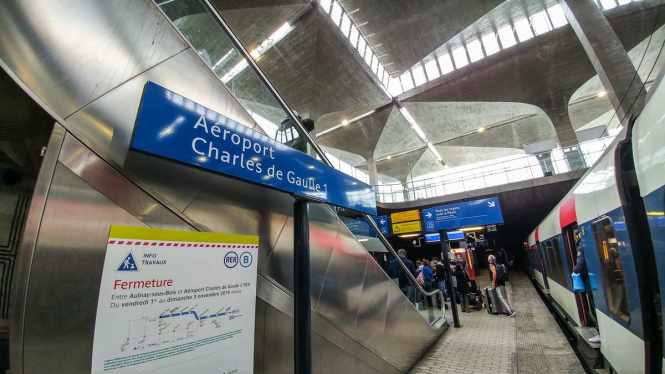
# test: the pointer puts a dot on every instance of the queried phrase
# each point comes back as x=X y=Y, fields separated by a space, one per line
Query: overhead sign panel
x=171 y=126
x=176 y=302
x=384 y=224
x=407 y=215
x=468 y=213
x=358 y=226
x=406 y=227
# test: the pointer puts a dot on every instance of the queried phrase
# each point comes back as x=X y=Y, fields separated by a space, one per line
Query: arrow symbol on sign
x=428 y=215
x=491 y=204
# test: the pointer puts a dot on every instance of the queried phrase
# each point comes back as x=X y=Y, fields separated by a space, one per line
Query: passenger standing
x=404 y=281
x=499 y=275
x=428 y=278
x=439 y=276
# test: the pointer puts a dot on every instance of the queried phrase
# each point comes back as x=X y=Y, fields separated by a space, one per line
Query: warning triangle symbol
x=128 y=264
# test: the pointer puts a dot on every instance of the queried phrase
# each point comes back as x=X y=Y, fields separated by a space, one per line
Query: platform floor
x=529 y=343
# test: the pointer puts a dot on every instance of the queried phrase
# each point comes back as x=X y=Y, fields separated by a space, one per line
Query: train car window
x=554 y=261
x=612 y=269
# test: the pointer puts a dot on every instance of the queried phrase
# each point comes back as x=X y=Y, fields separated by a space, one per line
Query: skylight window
x=557 y=15
x=369 y=55
x=325 y=4
x=507 y=37
x=432 y=69
x=540 y=23
x=446 y=63
x=375 y=65
x=361 y=46
x=336 y=12
x=380 y=72
x=346 y=24
x=623 y=2
x=394 y=86
x=523 y=29
x=407 y=81
x=608 y=4
x=490 y=43
x=353 y=36
x=459 y=55
x=419 y=75
x=475 y=50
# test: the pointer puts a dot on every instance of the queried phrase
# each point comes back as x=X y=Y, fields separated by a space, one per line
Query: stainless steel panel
x=72 y=52
x=342 y=288
x=107 y=124
x=65 y=275
x=102 y=177
x=26 y=250
x=370 y=323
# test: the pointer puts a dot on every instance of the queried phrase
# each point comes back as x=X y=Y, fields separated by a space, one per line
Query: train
x=613 y=221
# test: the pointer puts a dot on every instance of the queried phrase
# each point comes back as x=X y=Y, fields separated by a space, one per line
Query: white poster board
x=176 y=302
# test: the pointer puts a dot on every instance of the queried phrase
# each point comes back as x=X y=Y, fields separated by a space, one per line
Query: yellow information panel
x=406 y=227
x=407 y=215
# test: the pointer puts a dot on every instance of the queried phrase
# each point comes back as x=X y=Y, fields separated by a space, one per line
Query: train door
x=585 y=304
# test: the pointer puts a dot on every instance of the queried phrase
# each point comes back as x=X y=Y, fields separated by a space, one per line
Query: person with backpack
x=499 y=274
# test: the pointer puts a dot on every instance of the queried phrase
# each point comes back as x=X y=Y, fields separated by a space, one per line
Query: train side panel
x=649 y=155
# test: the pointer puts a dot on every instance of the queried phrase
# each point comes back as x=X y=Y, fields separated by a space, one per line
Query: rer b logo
x=128 y=264
x=231 y=260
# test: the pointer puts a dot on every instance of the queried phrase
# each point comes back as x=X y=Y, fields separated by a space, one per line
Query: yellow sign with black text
x=405 y=216
x=406 y=227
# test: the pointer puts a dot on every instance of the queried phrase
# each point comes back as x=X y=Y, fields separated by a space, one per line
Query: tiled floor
x=531 y=342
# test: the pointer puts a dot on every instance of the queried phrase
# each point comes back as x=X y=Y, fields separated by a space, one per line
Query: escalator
x=91 y=87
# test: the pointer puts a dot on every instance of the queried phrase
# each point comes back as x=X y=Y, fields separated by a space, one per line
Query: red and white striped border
x=151 y=243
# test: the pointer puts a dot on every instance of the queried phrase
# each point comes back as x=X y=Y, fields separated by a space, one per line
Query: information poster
x=176 y=302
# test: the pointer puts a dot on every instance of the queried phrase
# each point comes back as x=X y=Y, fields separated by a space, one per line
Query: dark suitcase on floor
x=492 y=301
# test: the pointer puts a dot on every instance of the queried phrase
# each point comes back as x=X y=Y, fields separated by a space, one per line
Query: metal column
x=302 y=353
x=445 y=251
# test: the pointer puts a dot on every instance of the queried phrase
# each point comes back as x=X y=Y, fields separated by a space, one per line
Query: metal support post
x=301 y=289
x=445 y=250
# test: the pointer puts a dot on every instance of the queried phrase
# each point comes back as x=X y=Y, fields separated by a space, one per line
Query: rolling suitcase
x=492 y=301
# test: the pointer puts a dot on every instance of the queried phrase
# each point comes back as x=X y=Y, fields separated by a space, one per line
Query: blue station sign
x=384 y=223
x=359 y=226
x=463 y=214
x=174 y=127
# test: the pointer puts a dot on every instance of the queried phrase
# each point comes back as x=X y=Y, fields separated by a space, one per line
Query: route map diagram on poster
x=176 y=302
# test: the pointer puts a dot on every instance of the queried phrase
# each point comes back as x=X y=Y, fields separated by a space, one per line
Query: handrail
x=310 y=140
x=390 y=248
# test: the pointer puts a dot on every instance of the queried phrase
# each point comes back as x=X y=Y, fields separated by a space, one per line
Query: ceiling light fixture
x=481 y=129
x=389 y=157
x=474 y=228
x=345 y=122
x=409 y=235
x=601 y=94
x=256 y=54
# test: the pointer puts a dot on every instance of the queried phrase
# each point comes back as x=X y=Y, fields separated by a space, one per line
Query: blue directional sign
x=463 y=214
x=171 y=126
x=384 y=224
x=358 y=226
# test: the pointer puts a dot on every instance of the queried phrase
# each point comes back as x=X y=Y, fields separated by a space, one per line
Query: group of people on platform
x=431 y=275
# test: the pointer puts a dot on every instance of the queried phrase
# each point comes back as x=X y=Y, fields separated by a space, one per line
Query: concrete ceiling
x=544 y=71
x=529 y=86
x=313 y=67
x=402 y=32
